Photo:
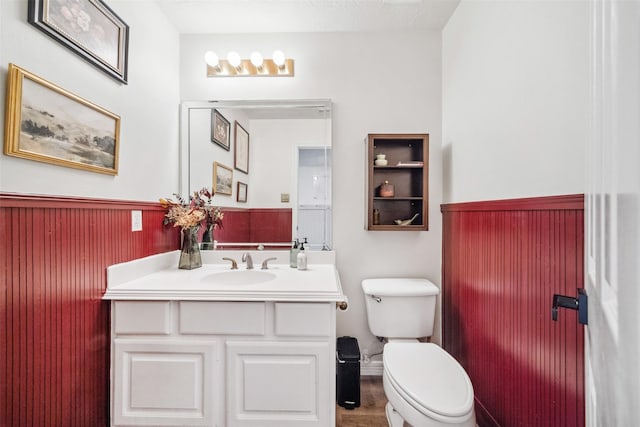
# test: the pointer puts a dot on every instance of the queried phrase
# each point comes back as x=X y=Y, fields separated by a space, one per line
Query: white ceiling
x=285 y=16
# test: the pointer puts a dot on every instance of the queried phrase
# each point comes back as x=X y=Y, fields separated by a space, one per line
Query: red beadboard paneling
x=255 y=226
x=271 y=225
x=54 y=367
x=502 y=263
x=235 y=226
x=54 y=363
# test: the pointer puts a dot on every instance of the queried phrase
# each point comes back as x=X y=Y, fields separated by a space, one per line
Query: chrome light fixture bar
x=256 y=66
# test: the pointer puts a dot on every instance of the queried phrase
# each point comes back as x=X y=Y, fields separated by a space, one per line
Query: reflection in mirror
x=279 y=152
x=314 y=196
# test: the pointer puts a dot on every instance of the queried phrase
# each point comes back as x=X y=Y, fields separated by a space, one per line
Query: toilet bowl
x=426 y=387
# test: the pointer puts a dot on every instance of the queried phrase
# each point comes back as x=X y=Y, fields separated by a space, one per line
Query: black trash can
x=348 y=372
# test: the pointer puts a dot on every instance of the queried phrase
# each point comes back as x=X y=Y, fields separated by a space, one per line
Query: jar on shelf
x=387 y=190
x=381 y=160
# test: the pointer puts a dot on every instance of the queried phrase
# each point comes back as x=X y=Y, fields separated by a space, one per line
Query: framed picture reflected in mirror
x=241 y=193
x=220 y=130
x=241 y=158
x=222 y=179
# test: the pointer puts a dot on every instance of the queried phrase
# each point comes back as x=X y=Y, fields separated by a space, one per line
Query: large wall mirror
x=264 y=157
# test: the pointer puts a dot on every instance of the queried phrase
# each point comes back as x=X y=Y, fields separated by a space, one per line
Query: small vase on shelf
x=381 y=160
x=207 y=238
x=190 y=257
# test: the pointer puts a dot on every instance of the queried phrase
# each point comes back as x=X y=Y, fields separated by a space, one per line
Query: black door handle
x=580 y=304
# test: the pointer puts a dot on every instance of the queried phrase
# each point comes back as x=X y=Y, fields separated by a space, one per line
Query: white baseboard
x=374 y=367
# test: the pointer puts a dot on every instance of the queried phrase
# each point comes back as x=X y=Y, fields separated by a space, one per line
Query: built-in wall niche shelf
x=398 y=182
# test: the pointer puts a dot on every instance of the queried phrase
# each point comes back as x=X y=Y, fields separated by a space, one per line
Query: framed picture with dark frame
x=222 y=179
x=49 y=124
x=220 y=130
x=241 y=194
x=241 y=158
x=89 y=28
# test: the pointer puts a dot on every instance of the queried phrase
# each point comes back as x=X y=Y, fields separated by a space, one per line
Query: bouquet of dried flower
x=197 y=211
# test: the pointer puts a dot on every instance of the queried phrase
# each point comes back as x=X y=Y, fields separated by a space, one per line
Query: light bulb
x=256 y=59
x=278 y=58
x=211 y=59
x=234 y=59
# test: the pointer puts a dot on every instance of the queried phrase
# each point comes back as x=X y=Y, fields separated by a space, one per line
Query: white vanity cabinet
x=223 y=363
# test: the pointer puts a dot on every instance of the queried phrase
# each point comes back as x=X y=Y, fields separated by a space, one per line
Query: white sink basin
x=239 y=277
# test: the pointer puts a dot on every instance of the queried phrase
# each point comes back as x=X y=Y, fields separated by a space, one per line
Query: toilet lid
x=399 y=287
x=428 y=377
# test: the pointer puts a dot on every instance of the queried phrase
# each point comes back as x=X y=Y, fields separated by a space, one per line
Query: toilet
x=425 y=385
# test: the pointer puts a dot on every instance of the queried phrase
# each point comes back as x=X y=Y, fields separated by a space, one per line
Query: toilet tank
x=400 y=307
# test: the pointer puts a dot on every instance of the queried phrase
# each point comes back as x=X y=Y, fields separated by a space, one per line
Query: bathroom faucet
x=247 y=257
x=234 y=264
x=264 y=263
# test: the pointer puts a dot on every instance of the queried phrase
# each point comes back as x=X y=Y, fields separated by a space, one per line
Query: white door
x=612 y=224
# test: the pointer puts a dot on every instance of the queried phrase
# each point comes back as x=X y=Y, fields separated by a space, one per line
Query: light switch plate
x=284 y=197
x=136 y=220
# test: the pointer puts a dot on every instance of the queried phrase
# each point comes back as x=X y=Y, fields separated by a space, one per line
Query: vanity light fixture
x=234 y=60
x=257 y=60
x=279 y=59
x=257 y=66
x=212 y=60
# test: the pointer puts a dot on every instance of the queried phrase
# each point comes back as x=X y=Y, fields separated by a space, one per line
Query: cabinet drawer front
x=303 y=319
x=142 y=317
x=222 y=318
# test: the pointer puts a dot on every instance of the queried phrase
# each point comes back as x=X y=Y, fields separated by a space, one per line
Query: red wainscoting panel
x=235 y=226
x=502 y=263
x=54 y=326
x=255 y=226
x=271 y=225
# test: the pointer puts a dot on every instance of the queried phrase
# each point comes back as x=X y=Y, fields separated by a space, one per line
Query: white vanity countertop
x=157 y=277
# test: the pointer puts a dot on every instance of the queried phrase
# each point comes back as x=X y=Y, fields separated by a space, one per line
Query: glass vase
x=207 y=238
x=190 y=256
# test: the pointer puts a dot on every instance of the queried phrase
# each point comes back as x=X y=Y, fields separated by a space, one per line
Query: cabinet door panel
x=278 y=384
x=294 y=376
x=163 y=383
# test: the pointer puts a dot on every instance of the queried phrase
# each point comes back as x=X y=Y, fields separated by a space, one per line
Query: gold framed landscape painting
x=47 y=123
x=222 y=179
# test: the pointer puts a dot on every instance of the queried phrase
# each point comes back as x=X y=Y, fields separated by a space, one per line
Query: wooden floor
x=371 y=410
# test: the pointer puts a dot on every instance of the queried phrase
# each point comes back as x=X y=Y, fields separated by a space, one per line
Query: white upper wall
x=148 y=105
x=378 y=82
x=515 y=99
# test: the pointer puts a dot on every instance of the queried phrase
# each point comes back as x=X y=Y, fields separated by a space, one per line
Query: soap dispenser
x=302 y=257
x=293 y=254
